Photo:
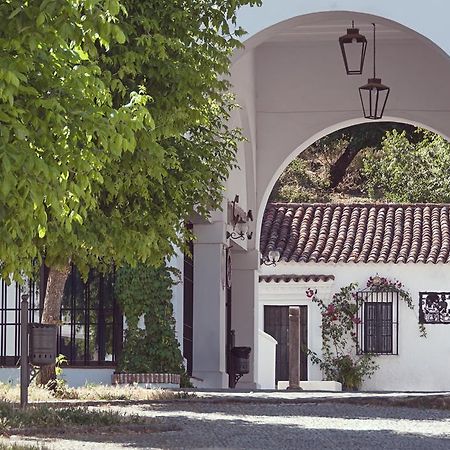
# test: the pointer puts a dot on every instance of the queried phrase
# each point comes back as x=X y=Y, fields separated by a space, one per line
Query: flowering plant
x=339 y=360
x=383 y=284
x=378 y=283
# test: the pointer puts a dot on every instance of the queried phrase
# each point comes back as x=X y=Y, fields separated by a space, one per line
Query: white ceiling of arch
x=331 y=30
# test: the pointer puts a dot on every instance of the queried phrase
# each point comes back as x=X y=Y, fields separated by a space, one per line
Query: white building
x=290 y=81
x=325 y=247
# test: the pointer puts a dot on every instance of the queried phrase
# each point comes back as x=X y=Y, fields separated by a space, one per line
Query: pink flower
x=356 y=320
x=310 y=292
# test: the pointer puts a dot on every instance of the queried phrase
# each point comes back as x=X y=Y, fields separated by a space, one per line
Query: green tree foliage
x=332 y=169
x=405 y=171
x=307 y=178
x=113 y=120
x=300 y=183
x=112 y=123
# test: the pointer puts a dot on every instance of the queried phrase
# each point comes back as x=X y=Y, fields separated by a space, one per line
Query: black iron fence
x=91 y=330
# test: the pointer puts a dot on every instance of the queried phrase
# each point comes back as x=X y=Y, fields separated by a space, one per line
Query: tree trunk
x=51 y=312
x=362 y=136
x=339 y=168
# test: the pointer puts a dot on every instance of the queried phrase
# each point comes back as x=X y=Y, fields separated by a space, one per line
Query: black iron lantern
x=374 y=94
x=353 y=47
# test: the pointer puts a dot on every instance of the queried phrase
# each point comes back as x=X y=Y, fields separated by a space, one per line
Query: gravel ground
x=228 y=425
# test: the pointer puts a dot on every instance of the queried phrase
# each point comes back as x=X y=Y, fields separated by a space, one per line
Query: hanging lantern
x=353 y=47
x=374 y=94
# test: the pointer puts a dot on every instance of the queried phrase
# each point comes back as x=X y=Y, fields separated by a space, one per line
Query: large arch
x=290 y=79
x=430 y=19
x=290 y=82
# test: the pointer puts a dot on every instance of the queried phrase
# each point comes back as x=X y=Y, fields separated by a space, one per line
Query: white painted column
x=209 y=306
x=244 y=313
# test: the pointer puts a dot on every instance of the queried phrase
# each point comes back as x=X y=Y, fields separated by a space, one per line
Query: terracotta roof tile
x=396 y=233
x=295 y=278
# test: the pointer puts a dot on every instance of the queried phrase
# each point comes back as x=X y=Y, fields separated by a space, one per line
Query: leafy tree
x=300 y=183
x=359 y=137
x=404 y=171
x=332 y=168
x=113 y=120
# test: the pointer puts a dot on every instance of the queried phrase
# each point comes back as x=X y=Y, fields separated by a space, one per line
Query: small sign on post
x=24 y=369
x=294 y=348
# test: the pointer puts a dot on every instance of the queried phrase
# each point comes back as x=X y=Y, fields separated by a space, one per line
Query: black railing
x=91 y=330
x=377 y=322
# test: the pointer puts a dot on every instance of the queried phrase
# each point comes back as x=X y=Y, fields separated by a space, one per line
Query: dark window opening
x=378 y=327
x=91 y=330
x=377 y=324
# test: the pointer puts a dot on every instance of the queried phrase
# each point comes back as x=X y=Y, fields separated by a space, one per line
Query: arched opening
x=301 y=148
x=290 y=82
x=324 y=248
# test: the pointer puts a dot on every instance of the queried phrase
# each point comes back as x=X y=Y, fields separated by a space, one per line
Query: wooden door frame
x=305 y=335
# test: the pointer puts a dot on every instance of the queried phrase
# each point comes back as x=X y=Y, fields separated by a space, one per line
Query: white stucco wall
x=422 y=364
x=266 y=360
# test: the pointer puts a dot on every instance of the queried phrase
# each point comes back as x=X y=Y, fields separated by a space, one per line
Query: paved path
x=259 y=425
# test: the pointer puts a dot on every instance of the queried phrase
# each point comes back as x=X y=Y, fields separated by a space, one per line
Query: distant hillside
x=367 y=163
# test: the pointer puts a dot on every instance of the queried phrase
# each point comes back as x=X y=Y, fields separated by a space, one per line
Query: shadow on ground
x=308 y=426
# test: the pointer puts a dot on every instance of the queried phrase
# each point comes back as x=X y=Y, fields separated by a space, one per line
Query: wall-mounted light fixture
x=374 y=94
x=271 y=258
x=240 y=221
x=353 y=47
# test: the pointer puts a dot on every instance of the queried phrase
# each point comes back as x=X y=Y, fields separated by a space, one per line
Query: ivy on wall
x=146 y=292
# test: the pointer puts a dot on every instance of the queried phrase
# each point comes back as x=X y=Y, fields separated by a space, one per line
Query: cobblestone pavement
x=250 y=425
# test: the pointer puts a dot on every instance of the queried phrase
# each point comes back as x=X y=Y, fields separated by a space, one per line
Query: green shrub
x=145 y=292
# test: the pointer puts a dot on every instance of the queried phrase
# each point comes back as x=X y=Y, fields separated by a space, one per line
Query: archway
x=290 y=82
x=292 y=85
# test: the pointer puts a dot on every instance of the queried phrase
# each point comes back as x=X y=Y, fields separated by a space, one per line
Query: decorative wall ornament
x=434 y=307
x=239 y=219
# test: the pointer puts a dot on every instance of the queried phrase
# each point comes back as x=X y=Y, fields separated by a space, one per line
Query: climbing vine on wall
x=383 y=284
x=144 y=294
x=341 y=359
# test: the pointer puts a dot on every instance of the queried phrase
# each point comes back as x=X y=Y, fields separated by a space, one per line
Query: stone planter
x=147 y=380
